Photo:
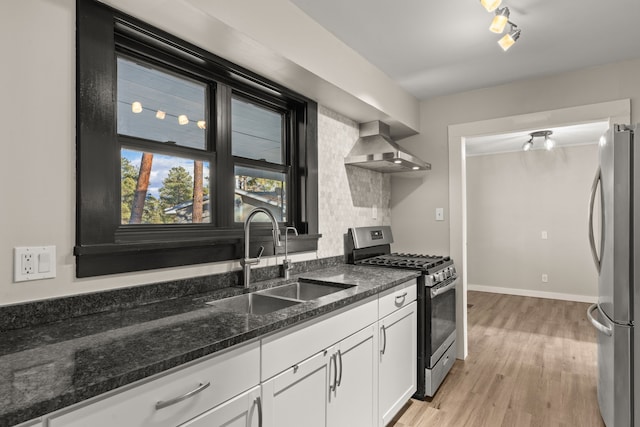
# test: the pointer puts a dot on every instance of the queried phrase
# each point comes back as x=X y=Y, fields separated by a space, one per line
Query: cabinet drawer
x=287 y=348
x=397 y=297
x=227 y=374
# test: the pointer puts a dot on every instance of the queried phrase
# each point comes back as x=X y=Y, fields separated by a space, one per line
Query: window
x=176 y=146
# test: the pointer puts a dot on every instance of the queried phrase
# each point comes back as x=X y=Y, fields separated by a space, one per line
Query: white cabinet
x=241 y=411
x=171 y=399
x=335 y=387
x=353 y=381
x=397 y=361
x=299 y=395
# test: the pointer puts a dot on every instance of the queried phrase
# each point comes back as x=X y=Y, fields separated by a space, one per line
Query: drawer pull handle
x=164 y=403
x=400 y=298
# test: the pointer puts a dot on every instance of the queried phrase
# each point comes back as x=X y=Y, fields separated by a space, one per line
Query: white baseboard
x=531 y=293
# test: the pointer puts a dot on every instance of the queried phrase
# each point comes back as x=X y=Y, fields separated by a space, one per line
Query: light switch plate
x=33 y=263
x=439 y=214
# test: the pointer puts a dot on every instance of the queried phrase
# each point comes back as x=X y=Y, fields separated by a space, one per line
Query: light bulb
x=490 y=5
x=549 y=143
x=160 y=115
x=415 y=168
x=509 y=40
x=397 y=161
x=183 y=119
x=202 y=124
x=136 y=107
x=527 y=146
x=500 y=20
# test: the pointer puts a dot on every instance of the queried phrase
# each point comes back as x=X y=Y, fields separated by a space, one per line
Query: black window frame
x=103 y=245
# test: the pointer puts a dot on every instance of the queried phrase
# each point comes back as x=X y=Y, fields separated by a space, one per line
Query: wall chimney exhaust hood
x=377 y=151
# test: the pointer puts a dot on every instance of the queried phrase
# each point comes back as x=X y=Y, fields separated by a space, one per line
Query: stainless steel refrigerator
x=615 y=245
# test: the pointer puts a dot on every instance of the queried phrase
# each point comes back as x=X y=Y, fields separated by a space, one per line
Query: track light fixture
x=548 y=142
x=500 y=21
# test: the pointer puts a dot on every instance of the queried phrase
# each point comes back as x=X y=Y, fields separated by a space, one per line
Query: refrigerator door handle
x=607 y=330
x=592 y=241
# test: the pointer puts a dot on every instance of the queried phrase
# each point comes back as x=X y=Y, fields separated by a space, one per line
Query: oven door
x=441 y=319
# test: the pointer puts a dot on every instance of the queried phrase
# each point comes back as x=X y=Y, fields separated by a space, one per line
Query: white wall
x=37 y=165
x=511 y=199
x=413 y=201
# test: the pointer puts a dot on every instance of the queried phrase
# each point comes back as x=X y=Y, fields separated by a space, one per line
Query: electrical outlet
x=34 y=262
x=545 y=278
x=27 y=263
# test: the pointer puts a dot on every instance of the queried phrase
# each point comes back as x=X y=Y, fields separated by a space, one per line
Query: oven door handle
x=437 y=291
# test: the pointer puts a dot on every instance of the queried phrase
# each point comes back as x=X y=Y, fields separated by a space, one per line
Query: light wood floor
x=532 y=362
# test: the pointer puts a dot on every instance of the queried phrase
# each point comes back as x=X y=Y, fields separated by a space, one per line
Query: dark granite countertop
x=47 y=367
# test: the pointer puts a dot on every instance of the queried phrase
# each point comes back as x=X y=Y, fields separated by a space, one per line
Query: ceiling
x=437 y=48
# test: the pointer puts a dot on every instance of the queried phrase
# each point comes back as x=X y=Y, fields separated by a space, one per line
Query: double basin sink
x=276 y=298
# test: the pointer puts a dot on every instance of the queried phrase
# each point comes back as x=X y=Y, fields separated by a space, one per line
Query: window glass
x=260 y=188
x=161 y=189
x=159 y=106
x=256 y=132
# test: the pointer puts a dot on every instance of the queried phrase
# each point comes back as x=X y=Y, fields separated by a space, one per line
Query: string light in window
x=136 y=107
x=160 y=115
x=183 y=119
x=202 y=124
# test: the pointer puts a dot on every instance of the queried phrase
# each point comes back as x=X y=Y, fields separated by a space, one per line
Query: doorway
x=612 y=112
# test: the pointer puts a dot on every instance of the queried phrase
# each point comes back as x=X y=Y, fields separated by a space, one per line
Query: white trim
x=532 y=293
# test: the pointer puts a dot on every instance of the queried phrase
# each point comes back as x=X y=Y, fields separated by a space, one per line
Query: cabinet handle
x=335 y=372
x=340 y=376
x=400 y=298
x=164 y=403
x=384 y=340
x=259 y=404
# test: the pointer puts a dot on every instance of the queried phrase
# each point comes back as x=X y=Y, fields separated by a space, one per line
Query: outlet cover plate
x=36 y=253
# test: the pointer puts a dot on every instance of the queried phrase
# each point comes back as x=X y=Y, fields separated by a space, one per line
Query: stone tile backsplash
x=348 y=195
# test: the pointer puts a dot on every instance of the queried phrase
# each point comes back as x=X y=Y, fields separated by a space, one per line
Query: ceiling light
x=183 y=119
x=490 y=5
x=397 y=161
x=509 y=39
x=500 y=20
x=136 y=107
x=548 y=142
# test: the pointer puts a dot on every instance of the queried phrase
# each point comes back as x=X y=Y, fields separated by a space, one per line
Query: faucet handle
x=260 y=251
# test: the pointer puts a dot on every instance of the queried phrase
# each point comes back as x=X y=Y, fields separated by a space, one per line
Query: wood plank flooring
x=532 y=362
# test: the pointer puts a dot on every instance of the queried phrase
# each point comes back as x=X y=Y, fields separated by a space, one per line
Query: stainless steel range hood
x=377 y=151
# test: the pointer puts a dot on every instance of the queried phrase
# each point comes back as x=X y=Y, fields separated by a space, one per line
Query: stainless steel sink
x=253 y=303
x=303 y=291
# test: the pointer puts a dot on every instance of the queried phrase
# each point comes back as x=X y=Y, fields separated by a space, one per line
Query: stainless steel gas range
x=371 y=246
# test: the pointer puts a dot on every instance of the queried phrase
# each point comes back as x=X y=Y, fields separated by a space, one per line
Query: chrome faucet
x=286 y=264
x=247 y=262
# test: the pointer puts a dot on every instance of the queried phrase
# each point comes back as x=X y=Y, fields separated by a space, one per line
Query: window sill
x=103 y=259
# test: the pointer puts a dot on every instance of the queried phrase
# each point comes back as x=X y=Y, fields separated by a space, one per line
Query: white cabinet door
x=397 y=361
x=353 y=390
x=298 y=396
x=241 y=411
